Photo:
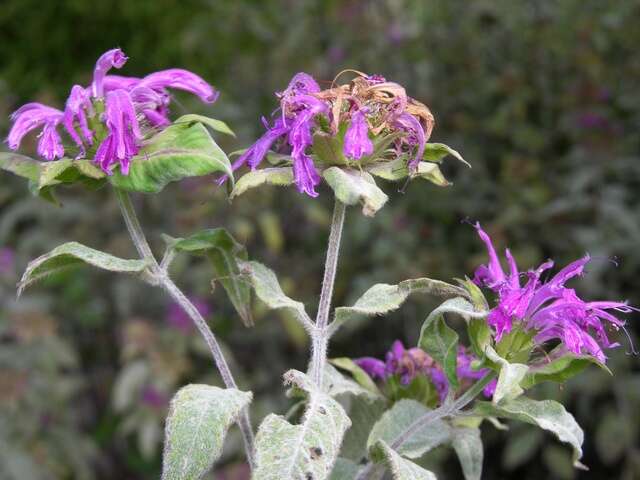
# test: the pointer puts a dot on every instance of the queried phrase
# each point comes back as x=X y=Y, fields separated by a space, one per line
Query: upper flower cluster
x=111 y=115
x=550 y=309
x=408 y=364
x=356 y=113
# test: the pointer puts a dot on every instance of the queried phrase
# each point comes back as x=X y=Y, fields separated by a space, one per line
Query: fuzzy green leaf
x=303 y=451
x=198 y=420
x=397 y=419
x=436 y=152
x=279 y=176
x=546 y=414
x=383 y=298
x=180 y=151
x=401 y=468
x=468 y=446
x=359 y=375
x=268 y=289
x=354 y=187
x=72 y=254
x=338 y=384
x=559 y=369
x=344 y=469
x=224 y=253
x=212 y=123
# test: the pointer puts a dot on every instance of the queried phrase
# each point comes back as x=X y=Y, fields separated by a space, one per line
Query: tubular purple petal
x=114 y=82
x=357 y=143
x=50 y=144
x=114 y=58
x=372 y=366
x=181 y=80
x=417 y=137
x=29 y=117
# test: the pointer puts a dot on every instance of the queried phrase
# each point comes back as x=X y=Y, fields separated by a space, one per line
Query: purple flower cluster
x=408 y=364
x=110 y=115
x=552 y=310
x=369 y=100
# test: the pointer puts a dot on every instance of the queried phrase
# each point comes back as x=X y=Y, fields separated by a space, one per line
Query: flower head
x=111 y=117
x=549 y=308
x=415 y=362
x=368 y=106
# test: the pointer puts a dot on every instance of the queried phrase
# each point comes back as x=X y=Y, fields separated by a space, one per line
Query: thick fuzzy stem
x=321 y=337
x=161 y=278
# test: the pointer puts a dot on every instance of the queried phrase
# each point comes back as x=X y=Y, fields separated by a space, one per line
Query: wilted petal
x=416 y=139
x=181 y=80
x=112 y=59
x=357 y=143
x=302 y=83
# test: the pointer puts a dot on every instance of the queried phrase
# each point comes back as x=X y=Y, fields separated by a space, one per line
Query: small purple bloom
x=152 y=397
x=551 y=309
x=32 y=116
x=114 y=58
x=178 y=319
x=7 y=261
x=357 y=143
x=78 y=105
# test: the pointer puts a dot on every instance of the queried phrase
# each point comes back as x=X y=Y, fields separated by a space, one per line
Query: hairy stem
x=321 y=337
x=445 y=410
x=161 y=278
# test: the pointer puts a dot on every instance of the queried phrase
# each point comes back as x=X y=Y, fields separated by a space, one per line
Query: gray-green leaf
x=398 y=419
x=344 y=469
x=70 y=255
x=180 y=151
x=212 y=123
x=279 y=176
x=267 y=288
x=354 y=187
x=383 y=298
x=436 y=152
x=224 y=253
x=468 y=446
x=303 y=451
x=546 y=414
x=337 y=384
x=401 y=468
x=198 y=420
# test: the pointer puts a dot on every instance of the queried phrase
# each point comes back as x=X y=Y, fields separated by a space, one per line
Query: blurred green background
x=541 y=97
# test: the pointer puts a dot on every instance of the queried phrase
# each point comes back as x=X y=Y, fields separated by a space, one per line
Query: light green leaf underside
x=70 y=255
x=401 y=468
x=383 y=298
x=353 y=187
x=303 y=451
x=180 y=151
x=212 y=123
x=279 y=176
x=344 y=469
x=225 y=255
x=546 y=414
x=198 y=420
x=468 y=447
x=397 y=419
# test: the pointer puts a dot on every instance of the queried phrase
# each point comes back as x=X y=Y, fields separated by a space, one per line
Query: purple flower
x=178 y=319
x=134 y=109
x=551 y=309
x=7 y=261
x=152 y=397
x=414 y=362
x=357 y=143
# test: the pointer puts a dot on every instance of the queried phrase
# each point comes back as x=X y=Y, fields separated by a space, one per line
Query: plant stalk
x=161 y=276
x=321 y=335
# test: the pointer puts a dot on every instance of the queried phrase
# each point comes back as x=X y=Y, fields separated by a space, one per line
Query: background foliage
x=541 y=97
